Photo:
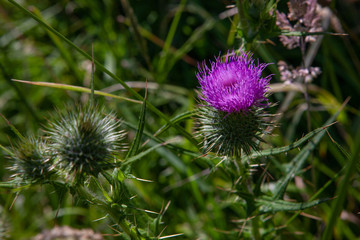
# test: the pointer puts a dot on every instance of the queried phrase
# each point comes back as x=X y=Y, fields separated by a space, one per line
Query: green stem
x=125 y=226
x=255 y=228
x=247 y=187
x=170 y=36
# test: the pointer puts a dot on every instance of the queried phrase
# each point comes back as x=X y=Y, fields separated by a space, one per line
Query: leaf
x=298 y=161
x=106 y=195
x=6 y=150
x=271 y=206
x=142 y=154
x=274 y=151
x=13 y=128
x=174 y=120
x=170 y=36
x=343 y=188
x=139 y=132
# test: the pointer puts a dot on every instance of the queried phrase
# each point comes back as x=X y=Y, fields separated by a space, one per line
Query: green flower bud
x=230 y=134
x=85 y=141
x=31 y=160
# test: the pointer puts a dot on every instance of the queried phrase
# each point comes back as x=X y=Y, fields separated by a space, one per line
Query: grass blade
x=77 y=89
x=171 y=35
x=139 y=132
x=13 y=128
x=142 y=154
x=341 y=192
x=174 y=120
x=105 y=70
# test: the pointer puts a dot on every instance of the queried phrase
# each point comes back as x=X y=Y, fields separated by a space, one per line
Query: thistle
x=31 y=162
x=233 y=95
x=84 y=141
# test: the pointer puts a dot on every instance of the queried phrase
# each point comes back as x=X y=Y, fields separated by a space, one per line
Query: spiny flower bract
x=233 y=85
x=31 y=161
x=230 y=134
x=233 y=99
x=84 y=140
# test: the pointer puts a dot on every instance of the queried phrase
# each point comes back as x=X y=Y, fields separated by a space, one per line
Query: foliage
x=141 y=57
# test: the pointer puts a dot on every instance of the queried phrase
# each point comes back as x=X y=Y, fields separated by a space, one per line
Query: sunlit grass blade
x=77 y=89
x=209 y=160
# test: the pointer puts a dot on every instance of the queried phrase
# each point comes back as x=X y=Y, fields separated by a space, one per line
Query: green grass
x=145 y=57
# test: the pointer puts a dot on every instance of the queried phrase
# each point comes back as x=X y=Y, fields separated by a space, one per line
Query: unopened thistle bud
x=233 y=95
x=85 y=141
x=31 y=162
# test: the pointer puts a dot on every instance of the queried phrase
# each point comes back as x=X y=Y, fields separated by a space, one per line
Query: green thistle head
x=31 y=160
x=230 y=134
x=84 y=140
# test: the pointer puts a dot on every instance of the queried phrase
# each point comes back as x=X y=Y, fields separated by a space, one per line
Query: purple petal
x=233 y=85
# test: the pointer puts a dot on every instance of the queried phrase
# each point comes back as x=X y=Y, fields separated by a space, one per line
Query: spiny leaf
x=271 y=206
x=344 y=185
x=274 y=151
x=298 y=161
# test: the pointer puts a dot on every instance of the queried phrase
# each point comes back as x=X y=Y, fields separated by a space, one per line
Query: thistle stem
x=127 y=229
x=255 y=228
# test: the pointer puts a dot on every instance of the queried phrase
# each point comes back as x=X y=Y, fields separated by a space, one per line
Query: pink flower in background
x=306 y=18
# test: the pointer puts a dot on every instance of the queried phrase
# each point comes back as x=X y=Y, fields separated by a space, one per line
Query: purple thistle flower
x=234 y=85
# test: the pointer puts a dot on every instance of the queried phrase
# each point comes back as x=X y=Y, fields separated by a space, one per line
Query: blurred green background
x=147 y=51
